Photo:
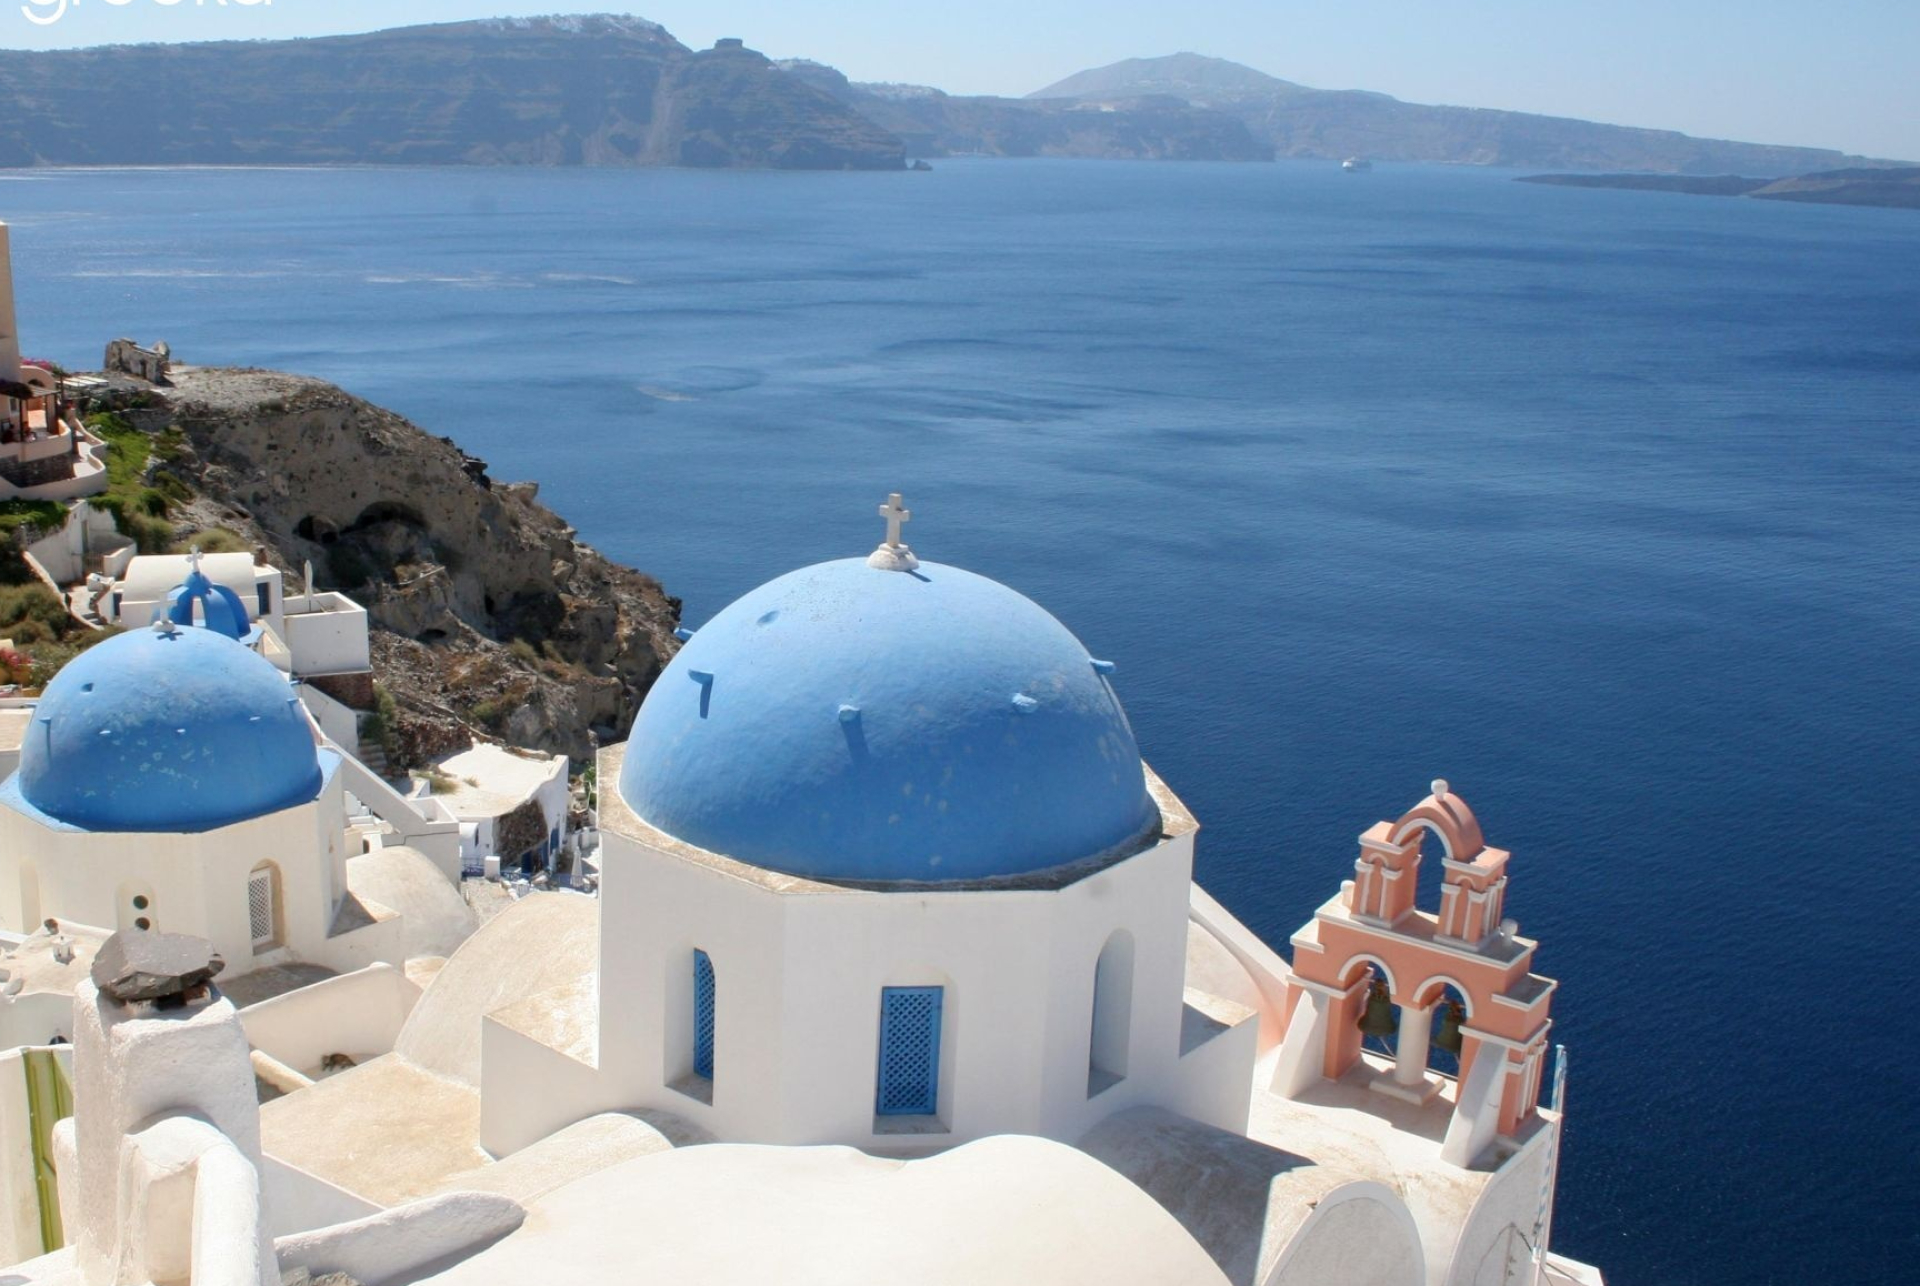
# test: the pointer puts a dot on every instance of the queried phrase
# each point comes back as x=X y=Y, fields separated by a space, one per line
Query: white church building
x=897 y=973
x=170 y=780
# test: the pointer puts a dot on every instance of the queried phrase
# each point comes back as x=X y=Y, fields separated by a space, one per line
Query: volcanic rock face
x=1298 y=121
x=730 y=106
x=488 y=613
x=1134 y=126
x=541 y=91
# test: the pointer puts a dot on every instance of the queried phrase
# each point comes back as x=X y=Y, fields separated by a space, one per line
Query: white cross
x=193 y=558
x=895 y=515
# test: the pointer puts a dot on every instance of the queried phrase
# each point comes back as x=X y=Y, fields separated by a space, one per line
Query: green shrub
x=213 y=540
x=381 y=725
x=47 y=515
x=129 y=451
x=492 y=713
x=150 y=534
x=523 y=651
x=34 y=609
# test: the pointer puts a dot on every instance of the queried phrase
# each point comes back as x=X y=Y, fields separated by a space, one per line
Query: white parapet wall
x=338 y=722
x=299 y=1202
x=396 y=1244
x=90 y=533
x=357 y=1014
x=327 y=633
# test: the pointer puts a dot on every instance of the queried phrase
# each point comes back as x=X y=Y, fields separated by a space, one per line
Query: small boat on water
x=1356 y=165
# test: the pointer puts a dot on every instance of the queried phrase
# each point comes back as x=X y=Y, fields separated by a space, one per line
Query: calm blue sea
x=1603 y=505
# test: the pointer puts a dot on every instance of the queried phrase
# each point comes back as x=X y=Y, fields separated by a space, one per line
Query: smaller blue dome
x=220 y=608
x=177 y=731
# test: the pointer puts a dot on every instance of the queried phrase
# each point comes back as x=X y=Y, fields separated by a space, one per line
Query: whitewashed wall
x=799 y=968
x=358 y=1014
x=330 y=639
x=195 y=883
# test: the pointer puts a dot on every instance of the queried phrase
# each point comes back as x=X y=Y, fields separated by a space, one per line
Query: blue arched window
x=909 y=1080
x=702 y=1014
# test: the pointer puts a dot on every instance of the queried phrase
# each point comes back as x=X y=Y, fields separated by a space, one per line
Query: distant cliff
x=1141 y=126
x=1297 y=121
x=488 y=613
x=609 y=90
x=549 y=91
x=1894 y=188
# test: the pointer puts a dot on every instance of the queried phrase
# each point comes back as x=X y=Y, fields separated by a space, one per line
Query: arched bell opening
x=1379 y=1017
x=1448 y=1014
x=1431 y=877
x=1445 y=829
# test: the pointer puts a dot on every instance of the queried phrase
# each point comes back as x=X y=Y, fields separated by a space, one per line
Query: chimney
x=152 y=1039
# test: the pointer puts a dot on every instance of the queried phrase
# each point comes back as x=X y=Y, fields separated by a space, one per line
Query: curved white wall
x=1359 y=1234
x=799 y=968
x=195 y=883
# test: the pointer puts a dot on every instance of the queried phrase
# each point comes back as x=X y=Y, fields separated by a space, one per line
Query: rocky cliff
x=1890 y=187
x=1296 y=120
x=488 y=612
x=606 y=90
x=544 y=91
x=1139 y=126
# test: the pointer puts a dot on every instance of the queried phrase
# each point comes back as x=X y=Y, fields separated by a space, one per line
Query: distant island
x=1895 y=188
x=621 y=91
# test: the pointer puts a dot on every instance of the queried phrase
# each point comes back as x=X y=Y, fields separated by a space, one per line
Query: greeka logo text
x=44 y=13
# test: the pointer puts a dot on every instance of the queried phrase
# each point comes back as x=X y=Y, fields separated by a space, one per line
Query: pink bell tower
x=1373 y=928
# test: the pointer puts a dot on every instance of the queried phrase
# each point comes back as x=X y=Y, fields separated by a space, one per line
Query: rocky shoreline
x=1894 y=188
x=488 y=615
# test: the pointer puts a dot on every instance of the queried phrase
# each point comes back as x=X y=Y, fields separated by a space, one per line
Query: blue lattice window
x=702 y=1014
x=909 y=1081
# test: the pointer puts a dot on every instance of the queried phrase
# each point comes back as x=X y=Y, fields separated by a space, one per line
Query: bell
x=1377 y=1018
x=1448 y=1037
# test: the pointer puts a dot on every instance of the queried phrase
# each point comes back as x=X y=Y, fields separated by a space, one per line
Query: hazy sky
x=1830 y=73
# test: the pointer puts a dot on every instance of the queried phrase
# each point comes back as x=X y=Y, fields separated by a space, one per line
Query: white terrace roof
x=150 y=576
x=491 y=781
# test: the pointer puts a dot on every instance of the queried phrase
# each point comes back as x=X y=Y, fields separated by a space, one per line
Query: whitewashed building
x=898 y=973
x=169 y=779
x=504 y=799
x=45 y=452
x=319 y=637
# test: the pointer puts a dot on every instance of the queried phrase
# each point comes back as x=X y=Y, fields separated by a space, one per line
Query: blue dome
x=179 y=731
x=846 y=723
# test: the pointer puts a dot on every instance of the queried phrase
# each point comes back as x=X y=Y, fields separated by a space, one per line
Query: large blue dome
x=185 y=730
x=847 y=723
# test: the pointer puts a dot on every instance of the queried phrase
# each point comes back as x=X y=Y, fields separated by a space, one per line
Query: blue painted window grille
x=702 y=1014
x=909 y=1081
